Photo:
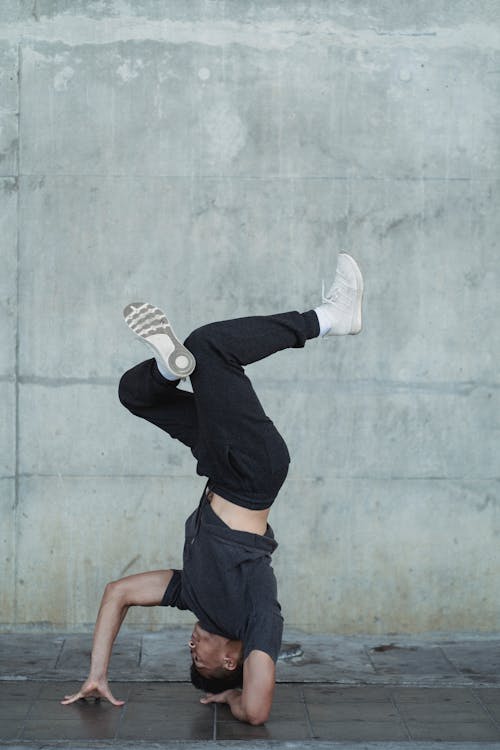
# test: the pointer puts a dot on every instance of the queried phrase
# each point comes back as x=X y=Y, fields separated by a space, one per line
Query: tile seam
x=214 y=724
x=308 y=717
x=486 y=709
x=401 y=717
x=450 y=662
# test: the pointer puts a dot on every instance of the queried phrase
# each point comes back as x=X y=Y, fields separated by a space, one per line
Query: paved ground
x=389 y=692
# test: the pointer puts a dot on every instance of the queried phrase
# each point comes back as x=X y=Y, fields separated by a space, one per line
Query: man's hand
x=234 y=700
x=228 y=696
x=93 y=689
x=253 y=703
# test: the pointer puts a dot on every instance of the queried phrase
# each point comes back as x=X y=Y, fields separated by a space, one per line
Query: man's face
x=206 y=651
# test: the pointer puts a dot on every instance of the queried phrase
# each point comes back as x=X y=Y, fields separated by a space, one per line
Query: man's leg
x=239 y=448
x=222 y=421
x=147 y=394
x=247 y=459
x=235 y=443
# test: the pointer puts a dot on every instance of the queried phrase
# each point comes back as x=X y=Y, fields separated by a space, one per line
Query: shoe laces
x=334 y=293
x=340 y=293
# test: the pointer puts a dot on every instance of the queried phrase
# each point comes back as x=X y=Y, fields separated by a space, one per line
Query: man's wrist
x=97 y=677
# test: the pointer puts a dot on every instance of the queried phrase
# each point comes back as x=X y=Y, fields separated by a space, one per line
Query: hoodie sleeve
x=264 y=632
x=173 y=594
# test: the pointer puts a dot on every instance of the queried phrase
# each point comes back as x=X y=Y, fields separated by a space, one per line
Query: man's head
x=217 y=662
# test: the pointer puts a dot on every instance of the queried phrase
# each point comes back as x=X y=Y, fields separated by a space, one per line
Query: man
x=227 y=580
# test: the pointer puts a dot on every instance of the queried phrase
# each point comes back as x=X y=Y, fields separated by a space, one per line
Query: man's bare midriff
x=238 y=518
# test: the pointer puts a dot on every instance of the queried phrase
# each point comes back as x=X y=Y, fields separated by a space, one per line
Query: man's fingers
x=96 y=693
x=71 y=699
x=208 y=698
x=111 y=698
x=115 y=701
x=215 y=697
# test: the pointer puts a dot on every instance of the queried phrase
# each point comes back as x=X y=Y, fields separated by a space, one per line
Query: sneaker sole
x=357 y=322
x=151 y=325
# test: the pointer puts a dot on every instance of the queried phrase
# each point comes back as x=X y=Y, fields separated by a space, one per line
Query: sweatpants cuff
x=311 y=323
x=158 y=377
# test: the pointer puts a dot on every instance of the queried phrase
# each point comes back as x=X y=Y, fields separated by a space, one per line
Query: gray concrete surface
x=426 y=661
x=432 y=660
x=214 y=157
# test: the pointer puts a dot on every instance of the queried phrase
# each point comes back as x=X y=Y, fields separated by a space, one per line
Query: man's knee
x=127 y=389
x=202 y=339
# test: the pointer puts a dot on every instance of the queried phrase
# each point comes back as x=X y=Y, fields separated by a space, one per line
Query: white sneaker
x=343 y=301
x=151 y=324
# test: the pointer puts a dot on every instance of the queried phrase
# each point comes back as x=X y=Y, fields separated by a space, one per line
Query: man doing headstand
x=227 y=580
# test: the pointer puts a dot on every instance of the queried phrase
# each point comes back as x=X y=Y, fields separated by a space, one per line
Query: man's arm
x=143 y=589
x=253 y=703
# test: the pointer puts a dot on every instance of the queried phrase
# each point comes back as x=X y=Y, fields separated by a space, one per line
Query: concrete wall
x=213 y=157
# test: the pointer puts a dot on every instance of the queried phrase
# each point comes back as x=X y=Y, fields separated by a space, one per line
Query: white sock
x=324 y=318
x=164 y=371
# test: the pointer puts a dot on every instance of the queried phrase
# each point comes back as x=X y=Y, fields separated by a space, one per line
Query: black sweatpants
x=223 y=423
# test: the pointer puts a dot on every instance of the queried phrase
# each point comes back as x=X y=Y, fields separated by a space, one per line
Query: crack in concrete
x=76 y=30
x=459 y=387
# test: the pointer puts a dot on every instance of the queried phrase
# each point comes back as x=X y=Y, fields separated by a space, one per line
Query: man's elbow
x=116 y=591
x=256 y=718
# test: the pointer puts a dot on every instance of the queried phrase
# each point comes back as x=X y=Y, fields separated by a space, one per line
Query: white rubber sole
x=151 y=325
x=357 y=322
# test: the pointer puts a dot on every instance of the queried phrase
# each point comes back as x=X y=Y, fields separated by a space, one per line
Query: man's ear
x=229 y=663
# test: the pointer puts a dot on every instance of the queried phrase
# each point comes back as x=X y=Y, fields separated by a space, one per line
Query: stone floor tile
x=474 y=657
x=18 y=690
x=164 y=691
x=272 y=730
x=165 y=711
x=14 y=709
x=22 y=653
x=443 y=712
x=453 y=731
x=287 y=693
x=10 y=729
x=356 y=711
x=493 y=710
x=293 y=711
x=433 y=695
x=326 y=658
x=48 y=729
x=412 y=660
x=280 y=711
x=329 y=694
x=75 y=653
x=165 y=655
x=376 y=731
x=490 y=696
x=186 y=729
x=81 y=710
x=484 y=678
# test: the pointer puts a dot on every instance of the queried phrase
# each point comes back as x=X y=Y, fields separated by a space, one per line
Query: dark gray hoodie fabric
x=228 y=582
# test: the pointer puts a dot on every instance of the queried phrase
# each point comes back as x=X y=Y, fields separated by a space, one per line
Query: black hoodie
x=228 y=582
